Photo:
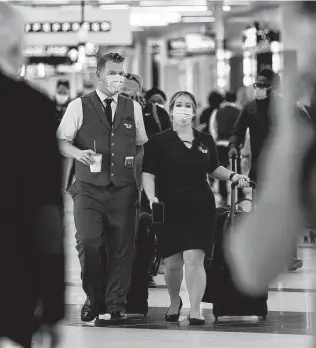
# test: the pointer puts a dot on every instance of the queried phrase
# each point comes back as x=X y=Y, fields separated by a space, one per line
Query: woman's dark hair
x=215 y=99
x=185 y=93
x=155 y=91
x=231 y=96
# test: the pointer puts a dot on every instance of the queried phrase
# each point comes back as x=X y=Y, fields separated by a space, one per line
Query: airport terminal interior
x=194 y=45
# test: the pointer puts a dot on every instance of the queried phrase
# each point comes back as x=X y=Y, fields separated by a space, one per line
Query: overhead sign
x=191 y=45
x=60 y=25
x=56 y=55
x=67 y=27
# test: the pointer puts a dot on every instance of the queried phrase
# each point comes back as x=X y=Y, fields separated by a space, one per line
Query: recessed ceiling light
x=200 y=19
x=226 y=8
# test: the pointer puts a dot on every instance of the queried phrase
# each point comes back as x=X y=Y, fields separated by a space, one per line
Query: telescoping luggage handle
x=234 y=192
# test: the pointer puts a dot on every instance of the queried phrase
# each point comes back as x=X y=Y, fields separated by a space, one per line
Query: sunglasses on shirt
x=260 y=85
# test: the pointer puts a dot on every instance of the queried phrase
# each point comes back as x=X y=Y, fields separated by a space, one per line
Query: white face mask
x=114 y=83
x=62 y=99
x=260 y=93
x=182 y=115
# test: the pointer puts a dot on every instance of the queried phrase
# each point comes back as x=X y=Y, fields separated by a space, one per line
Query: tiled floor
x=288 y=323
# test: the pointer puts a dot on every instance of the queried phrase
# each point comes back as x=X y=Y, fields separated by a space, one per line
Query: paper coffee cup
x=97 y=163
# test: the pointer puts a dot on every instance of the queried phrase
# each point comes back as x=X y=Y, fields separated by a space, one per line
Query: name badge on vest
x=129 y=162
x=128 y=126
x=203 y=149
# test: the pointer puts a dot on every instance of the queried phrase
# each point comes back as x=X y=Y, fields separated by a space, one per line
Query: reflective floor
x=288 y=323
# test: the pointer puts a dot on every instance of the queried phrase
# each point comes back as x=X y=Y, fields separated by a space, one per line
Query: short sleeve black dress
x=181 y=184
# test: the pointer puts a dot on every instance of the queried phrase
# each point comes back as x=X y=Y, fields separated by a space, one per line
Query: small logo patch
x=203 y=149
x=128 y=126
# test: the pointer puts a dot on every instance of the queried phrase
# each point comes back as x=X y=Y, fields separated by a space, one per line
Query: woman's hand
x=153 y=200
x=243 y=180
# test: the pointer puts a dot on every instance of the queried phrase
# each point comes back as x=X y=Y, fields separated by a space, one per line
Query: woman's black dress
x=181 y=184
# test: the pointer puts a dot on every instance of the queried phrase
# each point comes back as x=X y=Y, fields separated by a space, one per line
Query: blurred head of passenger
x=156 y=96
x=231 y=97
x=183 y=109
x=62 y=92
x=132 y=86
x=215 y=99
x=110 y=73
x=12 y=40
x=266 y=82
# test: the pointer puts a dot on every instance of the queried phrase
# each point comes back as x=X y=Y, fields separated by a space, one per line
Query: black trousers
x=105 y=219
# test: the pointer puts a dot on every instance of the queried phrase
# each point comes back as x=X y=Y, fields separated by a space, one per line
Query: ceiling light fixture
x=226 y=8
x=114 y=7
x=150 y=20
x=173 y=3
x=198 y=20
x=174 y=8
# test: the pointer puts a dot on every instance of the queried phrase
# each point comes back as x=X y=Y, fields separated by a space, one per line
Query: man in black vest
x=222 y=124
x=105 y=191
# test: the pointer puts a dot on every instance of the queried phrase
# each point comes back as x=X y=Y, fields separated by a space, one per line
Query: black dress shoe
x=196 y=321
x=118 y=315
x=87 y=312
x=152 y=284
x=174 y=317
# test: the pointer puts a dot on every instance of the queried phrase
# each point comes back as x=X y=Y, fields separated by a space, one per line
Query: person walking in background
x=156 y=118
x=257 y=117
x=62 y=98
x=222 y=124
x=175 y=168
x=31 y=226
x=104 y=132
x=215 y=99
x=132 y=88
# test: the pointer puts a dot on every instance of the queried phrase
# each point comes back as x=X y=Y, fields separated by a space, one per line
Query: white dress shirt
x=73 y=118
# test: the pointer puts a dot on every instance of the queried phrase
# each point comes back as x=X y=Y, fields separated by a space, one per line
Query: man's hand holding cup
x=85 y=157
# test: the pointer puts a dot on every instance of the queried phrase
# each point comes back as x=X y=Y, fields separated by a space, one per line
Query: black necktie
x=108 y=109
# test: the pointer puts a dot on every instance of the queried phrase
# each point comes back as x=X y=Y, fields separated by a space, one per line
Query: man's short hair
x=268 y=74
x=109 y=57
x=231 y=97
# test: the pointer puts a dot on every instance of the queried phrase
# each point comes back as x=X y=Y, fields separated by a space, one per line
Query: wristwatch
x=231 y=176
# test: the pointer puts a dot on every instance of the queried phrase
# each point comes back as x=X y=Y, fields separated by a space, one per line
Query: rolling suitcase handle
x=234 y=203
x=234 y=192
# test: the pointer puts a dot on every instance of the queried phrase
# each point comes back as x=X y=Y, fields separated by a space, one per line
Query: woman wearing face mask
x=175 y=168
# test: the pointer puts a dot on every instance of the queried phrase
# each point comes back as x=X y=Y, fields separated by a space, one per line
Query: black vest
x=114 y=143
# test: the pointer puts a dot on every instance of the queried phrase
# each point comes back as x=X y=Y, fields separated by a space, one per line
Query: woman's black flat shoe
x=196 y=322
x=174 y=317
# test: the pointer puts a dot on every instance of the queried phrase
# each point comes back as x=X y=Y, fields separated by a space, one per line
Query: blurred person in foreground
x=222 y=123
x=215 y=99
x=31 y=248
x=261 y=247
